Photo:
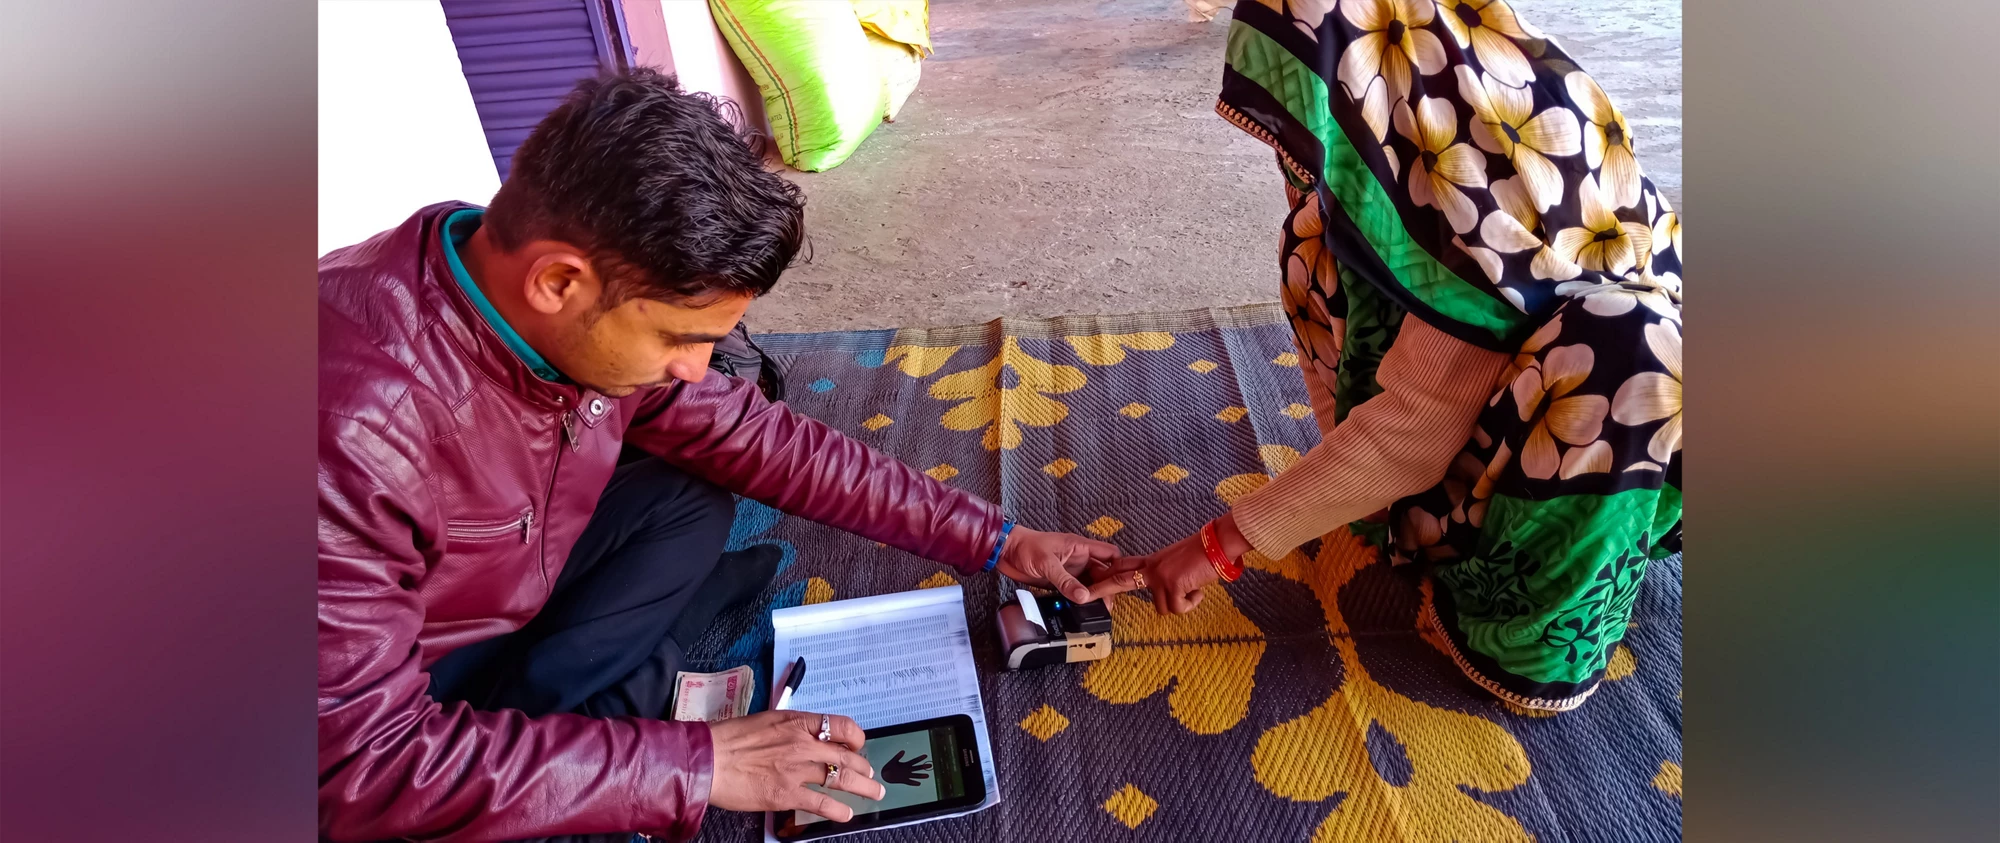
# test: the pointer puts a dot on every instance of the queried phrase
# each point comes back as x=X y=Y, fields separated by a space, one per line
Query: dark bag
x=738 y=356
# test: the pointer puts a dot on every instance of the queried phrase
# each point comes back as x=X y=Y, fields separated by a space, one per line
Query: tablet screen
x=915 y=768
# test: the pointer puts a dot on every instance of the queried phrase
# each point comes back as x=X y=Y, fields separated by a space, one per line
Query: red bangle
x=1211 y=543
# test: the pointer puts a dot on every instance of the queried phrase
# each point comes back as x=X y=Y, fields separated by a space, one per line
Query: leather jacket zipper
x=567 y=421
x=483 y=530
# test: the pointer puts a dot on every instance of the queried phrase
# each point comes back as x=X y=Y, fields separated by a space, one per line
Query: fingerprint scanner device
x=1037 y=630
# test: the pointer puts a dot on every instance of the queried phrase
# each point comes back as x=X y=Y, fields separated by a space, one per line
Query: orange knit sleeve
x=1396 y=444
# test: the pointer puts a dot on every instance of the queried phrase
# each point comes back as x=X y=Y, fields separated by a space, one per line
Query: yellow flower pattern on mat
x=1276 y=458
x=1325 y=752
x=1044 y=723
x=1002 y=410
x=1668 y=780
x=1623 y=664
x=818 y=591
x=1341 y=555
x=1130 y=807
x=1104 y=527
x=1237 y=486
x=938 y=580
x=1209 y=655
x=1109 y=349
x=918 y=361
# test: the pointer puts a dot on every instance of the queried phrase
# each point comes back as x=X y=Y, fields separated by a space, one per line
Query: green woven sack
x=822 y=90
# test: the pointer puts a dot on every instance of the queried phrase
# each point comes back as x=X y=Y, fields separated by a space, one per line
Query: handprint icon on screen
x=910 y=772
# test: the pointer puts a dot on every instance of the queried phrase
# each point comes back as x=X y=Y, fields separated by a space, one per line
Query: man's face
x=645 y=343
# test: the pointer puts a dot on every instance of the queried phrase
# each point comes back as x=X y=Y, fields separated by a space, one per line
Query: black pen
x=792 y=679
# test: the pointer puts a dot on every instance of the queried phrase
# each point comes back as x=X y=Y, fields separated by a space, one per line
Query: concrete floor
x=1064 y=157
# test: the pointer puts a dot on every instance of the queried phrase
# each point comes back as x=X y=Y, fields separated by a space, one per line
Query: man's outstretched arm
x=724 y=430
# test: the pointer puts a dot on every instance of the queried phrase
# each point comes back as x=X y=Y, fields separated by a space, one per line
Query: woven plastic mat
x=1298 y=703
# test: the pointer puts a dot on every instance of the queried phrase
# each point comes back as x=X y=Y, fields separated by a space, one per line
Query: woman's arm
x=1395 y=444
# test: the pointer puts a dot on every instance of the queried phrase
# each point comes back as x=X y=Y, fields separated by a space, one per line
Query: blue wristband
x=1006 y=526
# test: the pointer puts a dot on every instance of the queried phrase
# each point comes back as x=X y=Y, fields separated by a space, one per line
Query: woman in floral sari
x=1485 y=290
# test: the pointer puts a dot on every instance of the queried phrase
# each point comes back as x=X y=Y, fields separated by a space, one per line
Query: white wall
x=680 y=37
x=701 y=57
x=397 y=130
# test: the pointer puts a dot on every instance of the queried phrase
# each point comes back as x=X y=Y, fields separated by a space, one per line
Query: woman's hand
x=1177 y=573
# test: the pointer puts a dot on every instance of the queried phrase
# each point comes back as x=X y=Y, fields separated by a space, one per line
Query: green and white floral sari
x=1470 y=175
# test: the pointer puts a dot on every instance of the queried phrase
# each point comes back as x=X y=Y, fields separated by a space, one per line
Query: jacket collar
x=480 y=343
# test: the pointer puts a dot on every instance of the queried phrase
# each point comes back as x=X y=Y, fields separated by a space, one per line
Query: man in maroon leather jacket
x=478 y=374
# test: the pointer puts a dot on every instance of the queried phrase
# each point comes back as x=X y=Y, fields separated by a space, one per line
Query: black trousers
x=641 y=575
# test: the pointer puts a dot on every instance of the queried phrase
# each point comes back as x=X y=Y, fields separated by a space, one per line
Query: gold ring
x=832 y=775
x=1138 y=579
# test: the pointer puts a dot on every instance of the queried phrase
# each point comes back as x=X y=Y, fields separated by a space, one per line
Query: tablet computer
x=927 y=768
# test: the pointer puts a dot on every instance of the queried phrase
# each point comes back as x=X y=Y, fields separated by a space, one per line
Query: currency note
x=712 y=696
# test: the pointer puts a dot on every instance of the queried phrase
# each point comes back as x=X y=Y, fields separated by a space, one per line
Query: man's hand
x=1054 y=560
x=764 y=762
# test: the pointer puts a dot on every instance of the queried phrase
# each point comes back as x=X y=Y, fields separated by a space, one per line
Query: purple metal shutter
x=521 y=57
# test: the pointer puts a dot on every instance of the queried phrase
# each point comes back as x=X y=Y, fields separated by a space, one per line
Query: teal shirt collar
x=457 y=228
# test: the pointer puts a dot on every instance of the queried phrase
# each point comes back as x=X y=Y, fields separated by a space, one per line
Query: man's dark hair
x=668 y=199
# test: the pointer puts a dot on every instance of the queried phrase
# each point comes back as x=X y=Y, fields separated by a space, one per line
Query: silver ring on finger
x=832 y=775
x=826 y=728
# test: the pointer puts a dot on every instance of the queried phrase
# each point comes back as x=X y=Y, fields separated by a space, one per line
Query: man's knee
x=672 y=496
x=715 y=505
